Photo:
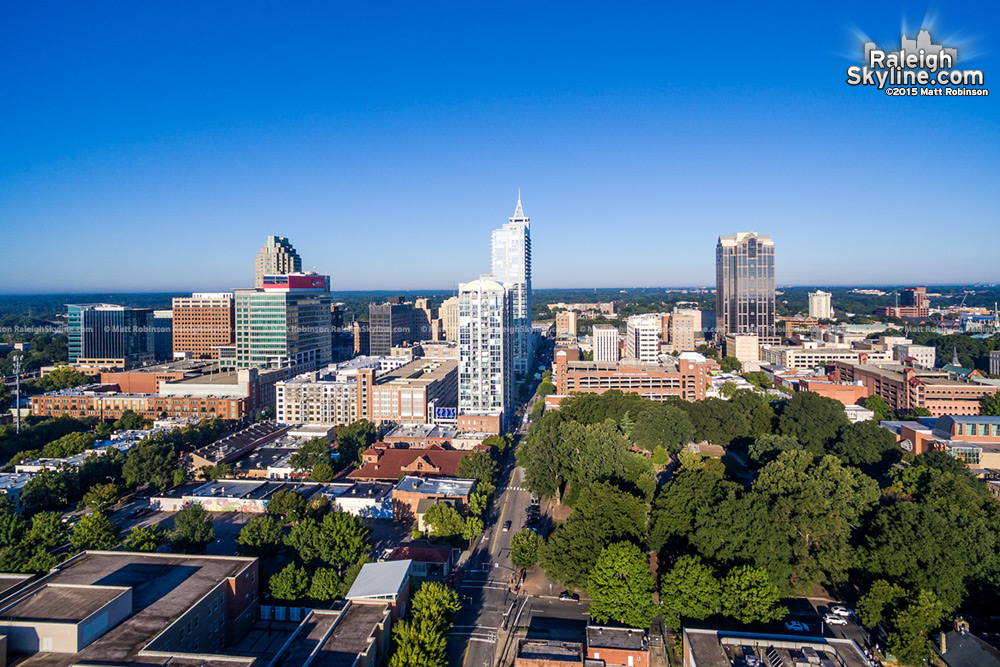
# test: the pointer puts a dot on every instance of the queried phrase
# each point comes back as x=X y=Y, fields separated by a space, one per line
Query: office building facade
x=107 y=331
x=485 y=368
x=642 y=337
x=203 y=322
x=393 y=323
x=511 y=267
x=276 y=258
x=744 y=297
x=283 y=323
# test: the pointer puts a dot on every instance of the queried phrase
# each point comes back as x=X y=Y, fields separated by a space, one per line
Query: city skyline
x=169 y=152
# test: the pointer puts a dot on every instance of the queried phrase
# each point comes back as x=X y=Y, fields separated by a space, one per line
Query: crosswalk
x=517 y=488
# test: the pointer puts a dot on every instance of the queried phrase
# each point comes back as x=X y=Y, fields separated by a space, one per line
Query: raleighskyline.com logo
x=919 y=67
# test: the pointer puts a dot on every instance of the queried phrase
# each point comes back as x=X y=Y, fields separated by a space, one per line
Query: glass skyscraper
x=744 y=289
x=511 y=266
x=107 y=331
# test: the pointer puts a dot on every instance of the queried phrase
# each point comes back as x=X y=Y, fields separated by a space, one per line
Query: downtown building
x=684 y=377
x=203 y=322
x=108 y=335
x=511 y=267
x=744 y=293
x=819 y=305
x=285 y=322
x=642 y=337
x=604 y=339
x=486 y=356
x=276 y=258
x=394 y=323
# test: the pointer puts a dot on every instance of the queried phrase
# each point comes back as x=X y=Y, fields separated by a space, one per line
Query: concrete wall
x=104 y=619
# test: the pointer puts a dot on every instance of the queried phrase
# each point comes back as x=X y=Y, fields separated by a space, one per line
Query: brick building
x=682 y=377
x=904 y=388
x=202 y=323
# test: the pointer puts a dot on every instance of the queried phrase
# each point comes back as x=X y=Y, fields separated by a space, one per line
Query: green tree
x=442 y=520
x=728 y=389
x=150 y=462
x=749 y=596
x=730 y=364
x=220 y=471
x=418 y=643
x=916 y=413
x=311 y=454
x=880 y=602
x=812 y=419
x=326 y=585
x=146 y=538
x=101 y=497
x=621 y=587
x=990 y=405
x=322 y=472
x=289 y=505
x=689 y=590
x=354 y=439
x=662 y=425
x=759 y=379
x=94 y=532
x=866 y=444
x=192 y=530
x=291 y=583
x=877 y=404
x=472 y=528
x=767 y=447
x=48 y=489
x=47 y=531
x=909 y=640
x=478 y=503
x=436 y=602
x=478 y=465
x=525 y=548
x=130 y=421
x=261 y=537
x=337 y=539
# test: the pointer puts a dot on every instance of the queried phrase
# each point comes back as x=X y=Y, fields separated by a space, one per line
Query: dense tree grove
x=422 y=640
x=805 y=499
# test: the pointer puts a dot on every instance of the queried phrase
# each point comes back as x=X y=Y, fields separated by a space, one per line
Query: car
x=531 y=521
x=750 y=658
x=506 y=526
x=796 y=626
x=834 y=619
x=566 y=595
x=840 y=610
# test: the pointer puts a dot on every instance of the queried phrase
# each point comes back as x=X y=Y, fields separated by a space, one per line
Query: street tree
x=749 y=596
x=261 y=537
x=288 y=505
x=94 y=532
x=689 y=590
x=525 y=548
x=290 y=584
x=621 y=587
x=101 y=497
x=443 y=520
x=812 y=419
x=192 y=530
x=326 y=585
x=149 y=538
x=310 y=454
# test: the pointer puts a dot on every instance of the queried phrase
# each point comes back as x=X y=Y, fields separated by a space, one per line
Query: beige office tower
x=605 y=339
x=276 y=258
x=744 y=292
x=448 y=311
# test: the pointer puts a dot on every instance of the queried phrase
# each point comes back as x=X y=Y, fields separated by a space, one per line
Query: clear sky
x=152 y=146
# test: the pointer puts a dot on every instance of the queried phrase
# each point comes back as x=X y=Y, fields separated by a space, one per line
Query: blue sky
x=152 y=146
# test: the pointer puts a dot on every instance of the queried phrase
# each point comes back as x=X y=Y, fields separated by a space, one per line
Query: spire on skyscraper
x=518 y=212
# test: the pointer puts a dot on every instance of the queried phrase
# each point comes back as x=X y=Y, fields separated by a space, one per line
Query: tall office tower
x=423 y=318
x=642 y=337
x=605 y=340
x=511 y=262
x=485 y=366
x=449 y=314
x=285 y=322
x=391 y=324
x=915 y=297
x=163 y=334
x=203 y=322
x=744 y=292
x=107 y=331
x=276 y=258
x=682 y=333
x=819 y=305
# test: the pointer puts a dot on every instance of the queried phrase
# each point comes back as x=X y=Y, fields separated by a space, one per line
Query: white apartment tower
x=642 y=337
x=485 y=343
x=605 y=340
x=819 y=305
x=511 y=267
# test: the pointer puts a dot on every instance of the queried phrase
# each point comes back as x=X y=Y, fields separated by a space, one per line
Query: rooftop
x=378 y=581
x=420 y=371
x=711 y=648
x=350 y=635
x=421 y=431
x=67 y=604
x=602 y=636
x=441 y=486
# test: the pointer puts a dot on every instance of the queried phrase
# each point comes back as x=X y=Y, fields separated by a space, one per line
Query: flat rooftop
x=420 y=371
x=307 y=637
x=540 y=649
x=445 y=486
x=721 y=649
x=602 y=636
x=350 y=636
x=9 y=582
x=67 y=604
x=220 y=378
x=163 y=587
x=421 y=431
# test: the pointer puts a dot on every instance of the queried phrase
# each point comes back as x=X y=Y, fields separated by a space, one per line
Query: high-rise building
x=393 y=323
x=819 y=305
x=107 y=331
x=511 y=267
x=915 y=297
x=276 y=258
x=485 y=367
x=449 y=316
x=566 y=323
x=163 y=334
x=605 y=342
x=744 y=296
x=642 y=337
x=283 y=323
x=681 y=333
x=203 y=322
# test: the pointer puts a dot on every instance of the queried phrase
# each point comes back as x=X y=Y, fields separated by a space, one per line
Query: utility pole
x=17 y=390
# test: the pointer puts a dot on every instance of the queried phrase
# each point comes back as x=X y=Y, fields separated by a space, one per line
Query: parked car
x=750 y=658
x=506 y=526
x=834 y=619
x=840 y=610
x=566 y=595
x=796 y=626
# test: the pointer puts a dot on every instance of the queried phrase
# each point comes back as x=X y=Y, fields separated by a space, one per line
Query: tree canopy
x=621 y=587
